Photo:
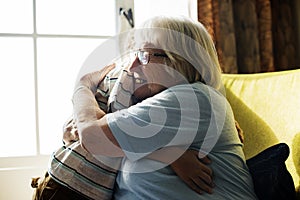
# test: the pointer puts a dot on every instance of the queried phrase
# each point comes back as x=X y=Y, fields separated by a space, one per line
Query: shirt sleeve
x=170 y=118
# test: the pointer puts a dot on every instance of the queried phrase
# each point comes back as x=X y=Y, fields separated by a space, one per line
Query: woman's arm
x=70 y=132
x=93 y=131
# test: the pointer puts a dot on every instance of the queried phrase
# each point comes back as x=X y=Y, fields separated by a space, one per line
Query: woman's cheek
x=142 y=92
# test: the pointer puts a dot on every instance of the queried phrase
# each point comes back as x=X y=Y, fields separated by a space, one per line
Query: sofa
x=267 y=108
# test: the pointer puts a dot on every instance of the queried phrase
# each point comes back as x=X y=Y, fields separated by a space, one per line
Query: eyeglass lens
x=143 y=57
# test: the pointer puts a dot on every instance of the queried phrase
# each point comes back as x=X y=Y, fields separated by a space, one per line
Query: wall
x=15 y=179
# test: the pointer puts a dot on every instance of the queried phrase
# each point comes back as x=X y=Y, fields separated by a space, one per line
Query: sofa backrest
x=267 y=107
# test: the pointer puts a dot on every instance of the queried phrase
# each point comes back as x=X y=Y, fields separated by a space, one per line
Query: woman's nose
x=135 y=63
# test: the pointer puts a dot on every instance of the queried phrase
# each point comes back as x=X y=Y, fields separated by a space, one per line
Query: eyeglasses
x=144 y=56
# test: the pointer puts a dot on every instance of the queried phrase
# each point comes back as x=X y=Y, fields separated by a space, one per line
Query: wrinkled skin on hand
x=70 y=132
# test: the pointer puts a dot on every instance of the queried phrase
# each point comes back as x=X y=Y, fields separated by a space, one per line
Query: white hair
x=188 y=45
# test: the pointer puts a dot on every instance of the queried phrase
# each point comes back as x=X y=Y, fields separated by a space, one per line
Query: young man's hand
x=240 y=132
x=195 y=172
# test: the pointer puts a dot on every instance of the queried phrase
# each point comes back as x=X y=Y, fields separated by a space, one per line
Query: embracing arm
x=188 y=166
x=70 y=132
x=90 y=119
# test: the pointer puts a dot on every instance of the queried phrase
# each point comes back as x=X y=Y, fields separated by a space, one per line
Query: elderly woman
x=174 y=82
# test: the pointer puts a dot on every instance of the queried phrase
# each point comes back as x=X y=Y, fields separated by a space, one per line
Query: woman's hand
x=70 y=133
x=194 y=171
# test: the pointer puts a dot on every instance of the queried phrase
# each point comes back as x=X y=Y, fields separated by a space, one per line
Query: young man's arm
x=195 y=172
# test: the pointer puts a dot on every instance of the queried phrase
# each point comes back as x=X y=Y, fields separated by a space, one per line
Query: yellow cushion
x=267 y=107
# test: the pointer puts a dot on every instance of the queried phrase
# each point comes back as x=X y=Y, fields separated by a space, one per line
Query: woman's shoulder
x=192 y=89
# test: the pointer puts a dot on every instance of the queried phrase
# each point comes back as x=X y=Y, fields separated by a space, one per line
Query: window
x=145 y=9
x=43 y=44
x=18 y=96
x=80 y=17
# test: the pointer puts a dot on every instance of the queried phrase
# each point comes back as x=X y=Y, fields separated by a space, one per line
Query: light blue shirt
x=190 y=116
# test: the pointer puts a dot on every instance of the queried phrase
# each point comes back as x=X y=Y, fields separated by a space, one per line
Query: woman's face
x=150 y=73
